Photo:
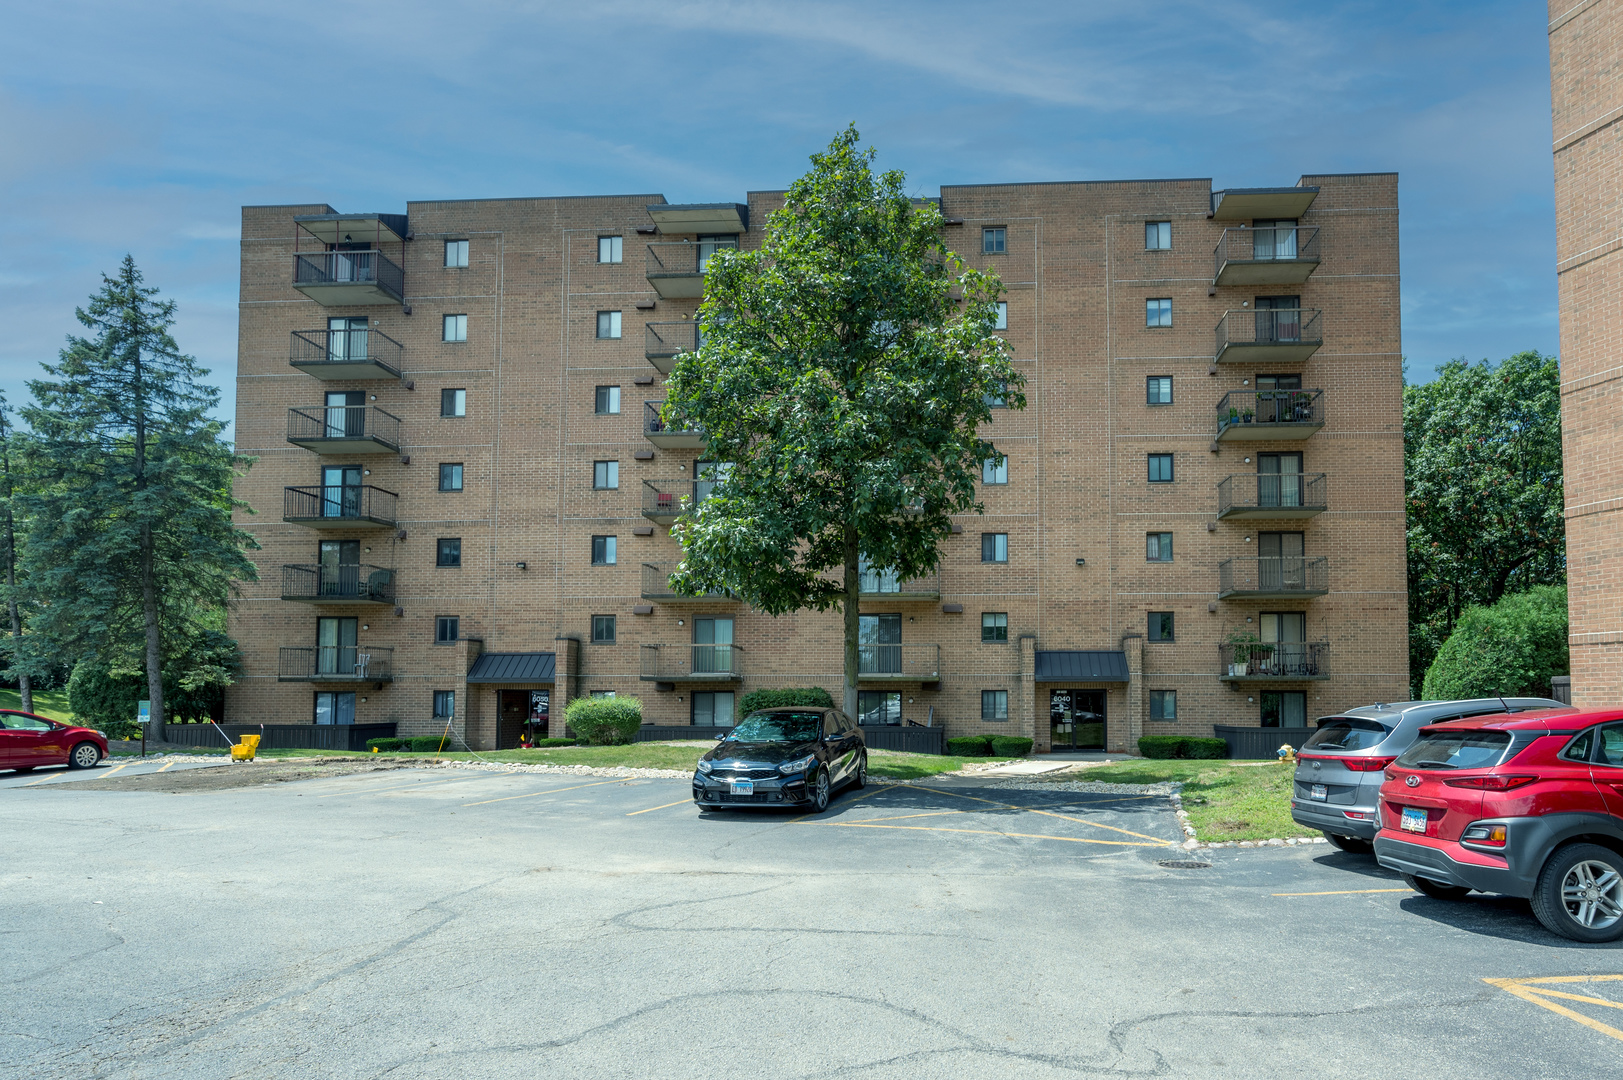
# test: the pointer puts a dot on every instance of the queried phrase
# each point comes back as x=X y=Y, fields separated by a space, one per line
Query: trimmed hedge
x=605 y=721
x=541 y=744
x=383 y=744
x=969 y=746
x=1511 y=648
x=814 y=696
x=1166 y=747
x=1010 y=746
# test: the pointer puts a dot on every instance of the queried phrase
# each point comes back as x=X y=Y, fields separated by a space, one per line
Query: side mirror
x=720 y=736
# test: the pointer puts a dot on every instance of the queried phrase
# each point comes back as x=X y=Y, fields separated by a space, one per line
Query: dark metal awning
x=514 y=667
x=1082 y=665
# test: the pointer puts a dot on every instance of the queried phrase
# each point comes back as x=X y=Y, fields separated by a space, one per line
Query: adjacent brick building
x=1586 y=81
x=464 y=501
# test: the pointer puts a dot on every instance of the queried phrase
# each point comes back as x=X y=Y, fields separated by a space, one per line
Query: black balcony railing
x=315 y=350
x=338 y=504
x=684 y=257
x=1239 y=407
x=1274 y=660
x=654 y=424
x=335 y=663
x=883 y=583
x=664 y=341
x=338 y=584
x=918 y=663
x=1284 y=243
x=656 y=585
x=349 y=268
x=1281 y=327
x=691 y=663
x=343 y=423
x=1292 y=493
x=1278 y=575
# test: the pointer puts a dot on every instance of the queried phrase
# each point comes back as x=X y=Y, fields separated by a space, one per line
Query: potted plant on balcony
x=1244 y=648
x=1234 y=416
x=1246 y=416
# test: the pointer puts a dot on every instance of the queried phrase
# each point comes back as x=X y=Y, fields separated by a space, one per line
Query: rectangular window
x=603 y=550
x=992 y=241
x=1158 y=312
x=1158 y=547
x=1158 y=390
x=713 y=709
x=1158 y=236
x=1284 y=709
x=1002 y=316
x=1160 y=626
x=447 y=628
x=995 y=547
x=603 y=629
x=456 y=253
x=608 y=401
x=456 y=328
x=610 y=249
x=453 y=403
x=879 y=708
x=1163 y=704
x=994 y=626
x=994 y=706
x=336 y=707
x=603 y=694
x=998 y=396
x=451 y=476
x=1160 y=468
x=608 y=324
x=995 y=470
x=444 y=704
x=449 y=551
x=605 y=475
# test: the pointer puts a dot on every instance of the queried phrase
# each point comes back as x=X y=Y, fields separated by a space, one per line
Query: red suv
x=1526 y=804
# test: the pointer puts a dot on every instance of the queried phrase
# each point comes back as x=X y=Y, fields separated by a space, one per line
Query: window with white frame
x=1158 y=547
x=608 y=401
x=603 y=550
x=456 y=328
x=1158 y=311
x=995 y=470
x=1158 y=236
x=610 y=249
x=1158 y=390
x=1002 y=322
x=605 y=475
x=608 y=324
x=456 y=253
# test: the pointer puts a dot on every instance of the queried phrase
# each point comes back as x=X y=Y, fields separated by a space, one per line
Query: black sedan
x=779 y=757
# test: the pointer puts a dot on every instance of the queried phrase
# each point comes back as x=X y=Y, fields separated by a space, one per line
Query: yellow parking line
x=554 y=791
x=1340 y=892
x=1047 y=813
x=1533 y=990
x=167 y=767
x=844 y=803
x=991 y=832
x=904 y=817
x=41 y=780
x=651 y=809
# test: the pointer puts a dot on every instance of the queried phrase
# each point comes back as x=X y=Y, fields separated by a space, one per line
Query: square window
x=603 y=632
x=451 y=476
x=994 y=706
x=995 y=470
x=998 y=396
x=1002 y=316
x=335 y=707
x=444 y=704
x=995 y=547
x=1158 y=390
x=1163 y=704
x=1160 y=468
x=1158 y=547
x=1284 y=709
x=1158 y=236
x=1158 y=312
x=608 y=401
x=453 y=403
x=605 y=475
x=447 y=628
x=456 y=328
x=456 y=253
x=603 y=550
x=608 y=324
x=1160 y=626
x=449 y=551
x=610 y=249
x=994 y=626
x=992 y=241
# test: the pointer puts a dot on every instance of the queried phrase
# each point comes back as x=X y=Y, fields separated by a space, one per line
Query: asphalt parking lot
x=457 y=923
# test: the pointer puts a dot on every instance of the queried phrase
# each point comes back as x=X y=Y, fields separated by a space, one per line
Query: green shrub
x=1010 y=746
x=1511 y=648
x=969 y=746
x=1166 y=747
x=103 y=701
x=423 y=744
x=383 y=744
x=756 y=700
x=1161 y=747
x=1199 y=748
x=605 y=721
x=543 y=743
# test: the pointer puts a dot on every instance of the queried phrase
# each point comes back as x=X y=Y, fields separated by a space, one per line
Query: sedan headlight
x=705 y=767
x=789 y=768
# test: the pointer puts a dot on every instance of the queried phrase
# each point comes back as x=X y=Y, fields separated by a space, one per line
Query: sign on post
x=143 y=712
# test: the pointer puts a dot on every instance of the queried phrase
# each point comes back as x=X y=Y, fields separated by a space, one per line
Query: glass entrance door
x=879 y=645
x=712 y=646
x=1279 y=480
x=346 y=339
x=1279 y=318
x=336 y=646
x=341 y=491
x=1286 y=631
x=1281 y=565
x=340 y=567
x=346 y=414
x=1076 y=719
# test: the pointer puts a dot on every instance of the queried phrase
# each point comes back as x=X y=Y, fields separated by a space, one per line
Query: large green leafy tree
x=18 y=666
x=1482 y=477
x=845 y=372
x=129 y=522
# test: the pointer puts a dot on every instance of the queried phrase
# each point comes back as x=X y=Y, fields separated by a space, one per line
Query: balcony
x=1247 y=204
x=663 y=501
x=1286 y=255
x=358 y=506
x=691 y=663
x=341 y=584
x=1272 y=496
x=1269 y=414
x=335 y=664
x=1276 y=577
x=676 y=271
x=1269 y=336
x=669 y=434
x=1274 y=661
x=886 y=585
x=346 y=354
x=656 y=585
x=349 y=278
x=344 y=429
x=899 y=663
x=699 y=219
x=664 y=341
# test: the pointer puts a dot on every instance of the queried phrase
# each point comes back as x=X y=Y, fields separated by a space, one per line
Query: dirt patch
x=228 y=777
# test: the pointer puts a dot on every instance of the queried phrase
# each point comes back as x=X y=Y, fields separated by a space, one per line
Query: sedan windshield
x=1456 y=750
x=1345 y=733
x=778 y=727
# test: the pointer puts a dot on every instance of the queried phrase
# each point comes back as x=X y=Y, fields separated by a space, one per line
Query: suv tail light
x=1367 y=764
x=1491 y=783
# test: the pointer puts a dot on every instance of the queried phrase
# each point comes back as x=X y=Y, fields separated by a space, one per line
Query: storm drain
x=1184 y=864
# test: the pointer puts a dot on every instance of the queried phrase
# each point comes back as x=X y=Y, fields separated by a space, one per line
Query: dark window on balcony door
x=1279 y=318
x=341 y=491
x=1279 y=480
x=1284 y=709
x=879 y=644
x=879 y=708
x=335 y=707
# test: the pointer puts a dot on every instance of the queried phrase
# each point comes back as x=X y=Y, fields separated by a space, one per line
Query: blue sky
x=143 y=128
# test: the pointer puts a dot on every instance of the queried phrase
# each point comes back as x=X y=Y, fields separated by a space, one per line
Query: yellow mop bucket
x=244 y=750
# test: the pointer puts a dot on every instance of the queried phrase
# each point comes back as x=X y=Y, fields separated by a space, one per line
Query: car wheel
x=819 y=792
x=1579 y=894
x=1352 y=844
x=86 y=755
x=862 y=773
x=1435 y=889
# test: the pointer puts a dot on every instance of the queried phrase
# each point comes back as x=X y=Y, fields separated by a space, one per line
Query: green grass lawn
x=51 y=703
x=1225 y=801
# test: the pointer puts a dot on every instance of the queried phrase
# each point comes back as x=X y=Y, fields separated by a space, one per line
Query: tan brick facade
x=1078 y=274
x=1586 y=62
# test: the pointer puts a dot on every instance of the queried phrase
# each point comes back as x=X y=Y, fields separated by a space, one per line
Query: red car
x=28 y=741
x=1527 y=804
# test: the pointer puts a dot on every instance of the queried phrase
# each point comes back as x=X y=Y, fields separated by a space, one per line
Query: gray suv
x=1341 y=765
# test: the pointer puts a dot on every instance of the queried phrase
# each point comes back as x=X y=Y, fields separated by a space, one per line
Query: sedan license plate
x=741 y=787
x=1317 y=791
x=1413 y=820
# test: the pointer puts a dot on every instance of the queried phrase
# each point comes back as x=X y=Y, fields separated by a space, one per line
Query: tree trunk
x=25 y=685
x=149 y=610
x=853 y=599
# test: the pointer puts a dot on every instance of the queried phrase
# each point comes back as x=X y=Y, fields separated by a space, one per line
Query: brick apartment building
x=1586 y=61
x=463 y=492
